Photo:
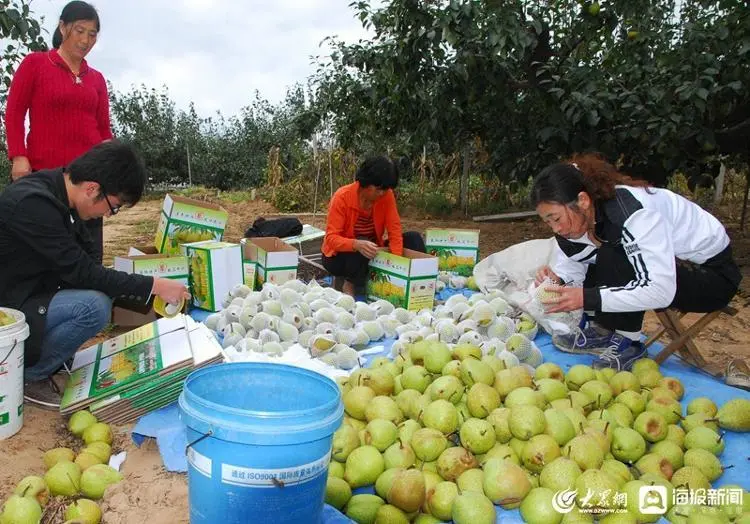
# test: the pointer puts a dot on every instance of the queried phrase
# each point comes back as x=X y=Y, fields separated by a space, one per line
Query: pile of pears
x=84 y=476
x=460 y=436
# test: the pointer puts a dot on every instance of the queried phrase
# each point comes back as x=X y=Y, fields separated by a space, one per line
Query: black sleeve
x=40 y=225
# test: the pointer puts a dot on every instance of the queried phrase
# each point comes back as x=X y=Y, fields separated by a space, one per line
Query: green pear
x=705 y=438
x=649 y=378
x=98 y=432
x=733 y=507
x=477 y=435
x=345 y=440
x=735 y=415
x=463 y=351
x=596 y=482
x=505 y=483
x=471 y=507
x=416 y=377
x=674 y=385
x=336 y=469
x=705 y=461
x=452 y=368
x=499 y=420
x=578 y=375
x=576 y=418
x=599 y=392
x=549 y=370
x=474 y=371
x=96 y=479
x=558 y=426
x=385 y=481
x=35 y=487
x=585 y=451
x=619 y=414
x=440 y=500
x=699 y=419
x=702 y=405
x=84 y=510
x=644 y=364
x=64 y=478
x=537 y=508
x=356 y=400
x=100 y=449
x=471 y=480
x=363 y=466
x=380 y=433
x=552 y=389
x=388 y=514
x=437 y=357
x=80 y=421
x=500 y=451
x=581 y=401
x=425 y=518
x=454 y=461
x=363 y=508
x=605 y=374
x=448 y=388
x=381 y=381
x=632 y=490
x=560 y=474
x=667 y=407
x=53 y=456
x=539 y=451
x=525 y=421
x=406 y=430
x=671 y=451
x=482 y=400
x=525 y=396
x=399 y=455
x=618 y=471
x=21 y=510
x=442 y=416
x=632 y=400
x=627 y=445
x=652 y=426
x=417 y=351
x=385 y=408
x=653 y=463
x=428 y=444
x=85 y=460
x=690 y=477
x=676 y=434
x=624 y=381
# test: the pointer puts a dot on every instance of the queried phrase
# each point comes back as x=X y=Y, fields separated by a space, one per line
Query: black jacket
x=45 y=247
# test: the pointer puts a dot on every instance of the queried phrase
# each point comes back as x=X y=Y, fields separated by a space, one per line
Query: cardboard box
x=184 y=221
x=215 y=268
x=406 y=281
x=276 y=261
x=175 y=267
x=456 y=249
x=309 y=242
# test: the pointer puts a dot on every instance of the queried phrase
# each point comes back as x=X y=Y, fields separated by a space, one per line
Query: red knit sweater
x=66 y=118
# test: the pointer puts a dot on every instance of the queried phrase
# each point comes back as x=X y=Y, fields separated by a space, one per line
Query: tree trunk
x=744 y=203
x=330 y=168
x=463 y=198
x=316 y=160
x=719 y=184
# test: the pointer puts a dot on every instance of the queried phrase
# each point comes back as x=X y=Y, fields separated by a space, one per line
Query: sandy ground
x=151 y=494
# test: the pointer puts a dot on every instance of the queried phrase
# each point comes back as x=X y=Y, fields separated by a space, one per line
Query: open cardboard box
x=215 y=269
x=457 y=249
x=275 y=260
x=406 y=281
x=184 y=220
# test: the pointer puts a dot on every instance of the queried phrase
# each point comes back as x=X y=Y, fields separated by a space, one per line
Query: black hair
x=378 y=171
x=73 y=12
x=116 y=166
x=588 y=172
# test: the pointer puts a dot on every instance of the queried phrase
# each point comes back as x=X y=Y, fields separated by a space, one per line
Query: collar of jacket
x=56 y=59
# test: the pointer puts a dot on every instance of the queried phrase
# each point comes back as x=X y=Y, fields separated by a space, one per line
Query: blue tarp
x=165 y=426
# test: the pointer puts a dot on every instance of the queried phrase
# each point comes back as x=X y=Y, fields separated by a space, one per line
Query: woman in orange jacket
x=363 y=217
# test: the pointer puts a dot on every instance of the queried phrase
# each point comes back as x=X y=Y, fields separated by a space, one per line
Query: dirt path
x=151 y=495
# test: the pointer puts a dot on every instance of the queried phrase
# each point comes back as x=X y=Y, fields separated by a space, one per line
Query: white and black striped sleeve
x=647 y=242
x=570 y=270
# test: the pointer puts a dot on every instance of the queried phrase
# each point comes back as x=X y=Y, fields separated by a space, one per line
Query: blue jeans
x=73 y=317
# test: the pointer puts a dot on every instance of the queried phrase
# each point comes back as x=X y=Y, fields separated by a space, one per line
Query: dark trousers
x=96 y=230
x=701 y=288
x=353 y=266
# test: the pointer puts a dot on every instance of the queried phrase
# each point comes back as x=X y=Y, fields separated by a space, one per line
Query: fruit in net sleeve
x=80 y=421
x=519 y=345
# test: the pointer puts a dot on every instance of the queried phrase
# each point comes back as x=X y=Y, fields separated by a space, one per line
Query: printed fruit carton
x=406 y=281
x=456 y=249
x=275 y=260
x=184 y=220
x=215 y=268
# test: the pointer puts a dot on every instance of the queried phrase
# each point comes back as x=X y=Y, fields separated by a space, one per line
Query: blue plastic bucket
x=260 y=440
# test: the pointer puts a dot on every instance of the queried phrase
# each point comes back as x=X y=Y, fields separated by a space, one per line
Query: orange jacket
x=342 y=215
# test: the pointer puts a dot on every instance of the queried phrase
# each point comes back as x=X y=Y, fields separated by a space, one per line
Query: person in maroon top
x=65 y=99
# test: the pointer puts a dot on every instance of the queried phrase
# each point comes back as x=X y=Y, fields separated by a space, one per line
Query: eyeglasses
x=113 y=210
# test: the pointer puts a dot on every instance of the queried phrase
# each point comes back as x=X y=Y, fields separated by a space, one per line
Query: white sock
x=632 y=335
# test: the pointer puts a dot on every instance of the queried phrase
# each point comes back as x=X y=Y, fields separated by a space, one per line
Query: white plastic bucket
x=12 y=338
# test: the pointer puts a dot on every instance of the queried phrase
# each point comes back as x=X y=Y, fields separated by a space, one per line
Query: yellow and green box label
x=215 y=268
x=184 y=221
x=457 y=249
x=403 y=281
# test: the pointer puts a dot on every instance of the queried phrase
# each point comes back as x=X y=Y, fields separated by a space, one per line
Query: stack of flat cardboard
x=139 y=371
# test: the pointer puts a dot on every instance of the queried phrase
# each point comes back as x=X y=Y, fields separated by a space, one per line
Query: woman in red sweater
x=65 y=99
x=359 y=217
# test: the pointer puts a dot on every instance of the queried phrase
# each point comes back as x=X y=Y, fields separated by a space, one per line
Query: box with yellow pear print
x=215 y=268
x=456 y=249
x=184 y=220
x=406 y=281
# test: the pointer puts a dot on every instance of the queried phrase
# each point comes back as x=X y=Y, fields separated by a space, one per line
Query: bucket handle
x=15 y=343
x=193 y=443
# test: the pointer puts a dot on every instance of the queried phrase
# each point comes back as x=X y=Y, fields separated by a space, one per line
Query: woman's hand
x=546 y=272
x=20 y=168
x=366 y=248
x=568 y=299
x=172 y=291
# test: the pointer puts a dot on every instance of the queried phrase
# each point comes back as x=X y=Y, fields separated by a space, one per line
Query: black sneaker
x=621 y=355
x=43 y=393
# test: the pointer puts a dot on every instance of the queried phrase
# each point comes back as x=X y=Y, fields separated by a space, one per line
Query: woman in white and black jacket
x=624 y=248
